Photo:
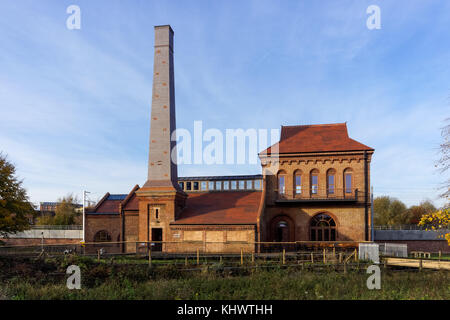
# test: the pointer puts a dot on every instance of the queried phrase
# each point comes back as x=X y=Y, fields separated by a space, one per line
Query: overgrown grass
x=25 y=279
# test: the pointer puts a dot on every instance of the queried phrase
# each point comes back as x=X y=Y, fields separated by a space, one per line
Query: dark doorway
x=282 y=232
x=157 y=236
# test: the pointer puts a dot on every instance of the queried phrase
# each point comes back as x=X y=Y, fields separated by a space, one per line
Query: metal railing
x=403 y=227
x=320 y=194
x=399 y=227
x=57 y=227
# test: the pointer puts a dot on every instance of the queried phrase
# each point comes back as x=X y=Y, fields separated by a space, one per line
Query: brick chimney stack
x=162 y=172
x=160 y=198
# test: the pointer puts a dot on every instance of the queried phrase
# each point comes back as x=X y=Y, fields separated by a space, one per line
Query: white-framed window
x=298 y=183
x=314 y=183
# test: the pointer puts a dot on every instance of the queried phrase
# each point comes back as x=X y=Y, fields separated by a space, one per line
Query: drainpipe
x=372 y=236
x=366 y=198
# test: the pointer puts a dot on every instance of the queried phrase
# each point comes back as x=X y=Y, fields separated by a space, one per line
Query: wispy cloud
x=75 y=105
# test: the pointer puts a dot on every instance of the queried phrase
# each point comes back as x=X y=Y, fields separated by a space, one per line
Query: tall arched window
x=298 y=182
x=102 y=236
x=331 y=178
x=348 y=180
x=281 y=182
x=323 y=228
x=314 y=179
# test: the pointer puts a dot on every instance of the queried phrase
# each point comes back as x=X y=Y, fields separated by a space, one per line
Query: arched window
x=298 y=182
x=348 y=180
x=323 y=228
x=102 y=236
x=314 y=178
x=281 y=182
x=331 y=178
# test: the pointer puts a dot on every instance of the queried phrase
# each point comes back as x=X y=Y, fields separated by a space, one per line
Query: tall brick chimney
x=160 y=199
x=162 y=172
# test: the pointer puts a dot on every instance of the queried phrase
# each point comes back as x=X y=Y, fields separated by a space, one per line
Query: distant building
x=46 y=208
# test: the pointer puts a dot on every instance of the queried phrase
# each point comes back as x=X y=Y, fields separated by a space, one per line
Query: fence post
x=150 y=256
x=242 y=256
x=340 y=257
x=198 y=256
x=312 y=257
x=420 y=264
x=356 y=255
x=284 y=256
x=253 y=257
x=185 y=261
x=440 y=255
x=345 y=267
x=324 y=256
x=98 y=255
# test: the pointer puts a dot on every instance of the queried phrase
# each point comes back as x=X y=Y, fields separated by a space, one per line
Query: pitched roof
x=229 y=207
x=109 y=204
x=131 y=203
x=316 y=138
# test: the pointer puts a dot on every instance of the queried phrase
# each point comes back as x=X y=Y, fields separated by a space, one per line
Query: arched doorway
x=322 y=228
x=282 y=232
x=282 y=229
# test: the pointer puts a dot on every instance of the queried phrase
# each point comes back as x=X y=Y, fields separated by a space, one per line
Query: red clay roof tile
x=230 y=207
x=316 y=138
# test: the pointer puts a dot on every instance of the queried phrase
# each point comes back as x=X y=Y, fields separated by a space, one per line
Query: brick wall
x=423 y=245
x=349 y=216
x=109 y=223
x=131 y=230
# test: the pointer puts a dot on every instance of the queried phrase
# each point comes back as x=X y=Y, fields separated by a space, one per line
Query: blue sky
x=75 y=104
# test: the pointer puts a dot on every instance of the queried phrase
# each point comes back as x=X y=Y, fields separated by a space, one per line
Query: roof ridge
x=316 y=125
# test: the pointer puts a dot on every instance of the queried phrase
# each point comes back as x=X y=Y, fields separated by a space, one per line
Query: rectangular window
x=218 y=185
x=210 y=185
x=241 y=184
x=188 y=185
x=348 y=183
x=331 y=184
x=181 y=184
x=281 y=185
x=233 y=185
x=298 y=184
x=203 y=185
x=249 y=184
x=196 y=185
x=157 y=213
x=257 y=184
x=314 y=184
x=226 y=185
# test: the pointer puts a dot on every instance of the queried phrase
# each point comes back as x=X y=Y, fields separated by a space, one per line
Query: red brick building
x=314 y=186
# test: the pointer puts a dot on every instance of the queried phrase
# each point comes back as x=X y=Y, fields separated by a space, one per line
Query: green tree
x=389 y=211
x=65 y=213
x=15 y=207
